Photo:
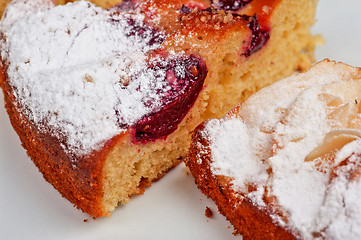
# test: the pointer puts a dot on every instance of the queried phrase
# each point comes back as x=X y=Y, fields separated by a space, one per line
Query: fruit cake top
x=83 y=73
x=294 y=149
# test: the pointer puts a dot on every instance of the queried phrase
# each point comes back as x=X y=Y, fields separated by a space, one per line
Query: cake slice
x=104 y=100
x=285 y=164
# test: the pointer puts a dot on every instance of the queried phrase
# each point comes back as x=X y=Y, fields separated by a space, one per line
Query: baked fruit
x=104 y=100
x=286 y=163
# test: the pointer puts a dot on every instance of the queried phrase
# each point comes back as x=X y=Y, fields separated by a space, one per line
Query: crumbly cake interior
x=139 y=165
x=232 y=77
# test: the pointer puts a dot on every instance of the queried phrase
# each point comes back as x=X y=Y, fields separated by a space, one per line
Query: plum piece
x=260 y=35
x=184 y=79
x=230 y=5
x=143 y=30
x=124 y=6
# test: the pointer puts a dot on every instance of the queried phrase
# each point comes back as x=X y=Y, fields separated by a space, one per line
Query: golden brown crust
x=79 y=182
x=3 y=4
x=247 y=219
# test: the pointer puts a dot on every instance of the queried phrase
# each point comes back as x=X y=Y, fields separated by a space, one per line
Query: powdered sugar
x=72 y=68
x=235 y=132
x=275 y=131
x=339 y=216
x=294 y=181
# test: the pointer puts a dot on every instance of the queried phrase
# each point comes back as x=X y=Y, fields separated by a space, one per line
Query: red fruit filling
x=186 y=9
x=124 y=6
x=230 y=5
x=184 y=80
x=184 y=76
x=260 y=35
x=141 y=30
x=181 y=78
x=146 y=32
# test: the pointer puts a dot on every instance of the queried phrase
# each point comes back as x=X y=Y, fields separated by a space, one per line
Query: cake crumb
x=88 y=77
x=209 y=212
x=85 y=220
x=266 y=9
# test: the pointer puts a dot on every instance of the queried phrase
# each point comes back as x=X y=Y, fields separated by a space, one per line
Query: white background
x=172 y=208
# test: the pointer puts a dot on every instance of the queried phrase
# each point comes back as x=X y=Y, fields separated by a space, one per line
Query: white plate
x=172 y=208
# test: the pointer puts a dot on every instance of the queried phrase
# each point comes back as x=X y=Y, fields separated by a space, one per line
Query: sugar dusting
x=71 y=68
x=275 y=130
x=235 y=132
x=340 y=215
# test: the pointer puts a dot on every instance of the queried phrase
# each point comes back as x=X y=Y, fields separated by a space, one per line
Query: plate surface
x=172 y=208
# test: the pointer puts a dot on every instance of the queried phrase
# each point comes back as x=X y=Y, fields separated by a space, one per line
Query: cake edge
x=239 y=211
